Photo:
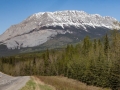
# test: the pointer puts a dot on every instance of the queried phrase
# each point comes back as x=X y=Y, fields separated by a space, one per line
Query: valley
x=93 y=62
x=62 y=50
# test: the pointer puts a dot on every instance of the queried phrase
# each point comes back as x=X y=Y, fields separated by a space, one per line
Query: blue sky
x=15 y=11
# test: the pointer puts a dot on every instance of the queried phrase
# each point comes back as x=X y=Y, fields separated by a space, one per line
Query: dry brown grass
x=63 y=83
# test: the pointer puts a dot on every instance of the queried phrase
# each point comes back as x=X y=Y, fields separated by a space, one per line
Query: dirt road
x=12 y=83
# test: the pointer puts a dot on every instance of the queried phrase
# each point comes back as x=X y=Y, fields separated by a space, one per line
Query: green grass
x=45 y=87
x=30 y=85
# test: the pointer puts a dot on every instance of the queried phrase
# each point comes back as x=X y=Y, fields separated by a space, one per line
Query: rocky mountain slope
x=56 y=29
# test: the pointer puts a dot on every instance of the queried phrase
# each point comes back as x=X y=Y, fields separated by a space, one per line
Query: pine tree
x=106 y=45
x=86 y=45
x=95 y=44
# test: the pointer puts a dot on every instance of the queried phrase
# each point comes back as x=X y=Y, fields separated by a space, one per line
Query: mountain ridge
x=40 y=27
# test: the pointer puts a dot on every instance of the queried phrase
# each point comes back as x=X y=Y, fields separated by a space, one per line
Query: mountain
x=54 y=29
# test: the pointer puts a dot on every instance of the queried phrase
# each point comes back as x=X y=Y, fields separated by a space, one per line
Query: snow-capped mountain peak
x=72 y=17
x=39 y=27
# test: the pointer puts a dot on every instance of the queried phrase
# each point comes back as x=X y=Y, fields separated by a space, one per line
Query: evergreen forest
x=92 y=61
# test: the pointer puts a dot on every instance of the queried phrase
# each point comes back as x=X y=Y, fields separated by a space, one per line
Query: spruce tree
x=106 y=45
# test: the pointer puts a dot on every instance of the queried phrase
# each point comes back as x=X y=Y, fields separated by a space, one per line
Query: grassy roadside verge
x=33 y=84
x=30 y=85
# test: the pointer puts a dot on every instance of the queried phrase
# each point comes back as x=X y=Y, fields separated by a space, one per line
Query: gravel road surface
x=12 y=83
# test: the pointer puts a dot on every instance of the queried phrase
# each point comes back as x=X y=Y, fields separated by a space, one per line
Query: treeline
x=94 y=62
